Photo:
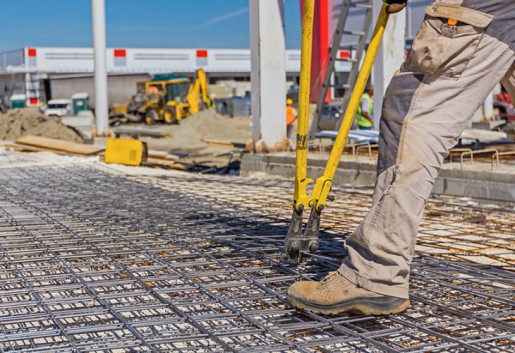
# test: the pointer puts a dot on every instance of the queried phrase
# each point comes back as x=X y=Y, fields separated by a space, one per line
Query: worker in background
x=291 y=117
x=41 y=106
x=154 y=95
x=153 y=91
x=364 y=118
x=461 y=51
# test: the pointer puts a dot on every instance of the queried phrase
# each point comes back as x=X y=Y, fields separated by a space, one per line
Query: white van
x=58 y=107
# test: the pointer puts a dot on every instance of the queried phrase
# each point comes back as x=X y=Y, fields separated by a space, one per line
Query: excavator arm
x=198 y=91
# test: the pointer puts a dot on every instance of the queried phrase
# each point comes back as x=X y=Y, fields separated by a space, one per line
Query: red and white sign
x=120 y=57
x=202 y=57
x=32 y=54
x=344 y=54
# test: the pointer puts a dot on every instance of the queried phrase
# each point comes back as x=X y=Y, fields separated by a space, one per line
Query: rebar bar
x=100 y=261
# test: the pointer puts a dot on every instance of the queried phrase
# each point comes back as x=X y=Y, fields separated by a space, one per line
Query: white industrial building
x=43 y=72
x=28 y=70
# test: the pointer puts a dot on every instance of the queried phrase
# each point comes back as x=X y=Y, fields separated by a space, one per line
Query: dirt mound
x=187 y=136
x=22 y=122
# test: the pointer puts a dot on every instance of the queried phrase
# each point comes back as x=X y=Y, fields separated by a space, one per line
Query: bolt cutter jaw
x=301 y=241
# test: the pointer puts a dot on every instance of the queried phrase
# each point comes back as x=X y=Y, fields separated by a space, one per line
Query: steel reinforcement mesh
x=98 y=261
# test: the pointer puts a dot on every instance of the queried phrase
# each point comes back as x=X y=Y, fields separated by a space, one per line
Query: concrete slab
x=487 y=125
x=478 y=181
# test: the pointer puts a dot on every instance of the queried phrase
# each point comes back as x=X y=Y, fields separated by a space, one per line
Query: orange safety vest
x=290 y=115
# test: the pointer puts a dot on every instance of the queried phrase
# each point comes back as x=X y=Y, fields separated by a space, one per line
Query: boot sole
x=367 y=306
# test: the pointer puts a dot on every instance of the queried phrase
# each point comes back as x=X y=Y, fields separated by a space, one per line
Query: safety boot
x=335 y=294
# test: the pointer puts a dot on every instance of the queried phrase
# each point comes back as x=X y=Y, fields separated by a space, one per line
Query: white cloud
x=223 y=17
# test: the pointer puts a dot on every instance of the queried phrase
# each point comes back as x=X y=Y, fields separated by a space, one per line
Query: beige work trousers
x=447 y=75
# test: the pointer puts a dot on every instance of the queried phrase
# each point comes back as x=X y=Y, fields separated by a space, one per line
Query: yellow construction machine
x=299 y=242
x=170 y=98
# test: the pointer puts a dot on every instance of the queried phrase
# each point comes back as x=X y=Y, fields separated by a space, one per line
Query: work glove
x=395 y=5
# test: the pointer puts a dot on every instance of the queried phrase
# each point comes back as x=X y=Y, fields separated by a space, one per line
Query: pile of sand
x=22 y=122
x=188 y=135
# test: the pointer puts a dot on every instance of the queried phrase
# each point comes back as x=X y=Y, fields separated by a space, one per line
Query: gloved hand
x=395 y=5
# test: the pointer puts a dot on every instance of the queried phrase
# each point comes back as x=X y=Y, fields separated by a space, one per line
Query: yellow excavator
x=170 y=98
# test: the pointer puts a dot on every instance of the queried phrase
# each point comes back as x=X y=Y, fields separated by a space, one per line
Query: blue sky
x=136 y=23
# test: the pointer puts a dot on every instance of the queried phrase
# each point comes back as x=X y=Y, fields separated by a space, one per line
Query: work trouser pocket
x=446 y=40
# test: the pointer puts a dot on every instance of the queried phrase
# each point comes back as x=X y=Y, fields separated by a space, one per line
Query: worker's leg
x=423 y=116
x=289 y=130
x=508 y=83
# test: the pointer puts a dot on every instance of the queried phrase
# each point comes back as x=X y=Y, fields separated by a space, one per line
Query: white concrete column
x=268 y=71
x=488 y=107
x=389 y=58
x=27 y=88
x=99 y=48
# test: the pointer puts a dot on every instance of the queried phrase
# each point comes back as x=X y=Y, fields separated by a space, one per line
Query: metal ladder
x=333 y=57
x=34 y=87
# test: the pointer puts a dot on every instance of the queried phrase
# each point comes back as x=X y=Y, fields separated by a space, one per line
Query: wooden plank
x=162 y=155
x=217 y=142
x=139 y=131
x=27 y=148
x=224 y=143
x=165 y=163
x=58 y=145
x=482 y=135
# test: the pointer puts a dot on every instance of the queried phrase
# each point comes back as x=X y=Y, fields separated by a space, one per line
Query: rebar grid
x=101 y=262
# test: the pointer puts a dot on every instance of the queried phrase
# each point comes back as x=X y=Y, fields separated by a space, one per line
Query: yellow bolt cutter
x=299 y=242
